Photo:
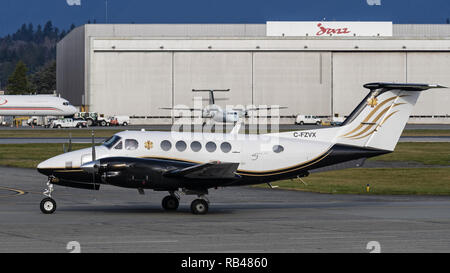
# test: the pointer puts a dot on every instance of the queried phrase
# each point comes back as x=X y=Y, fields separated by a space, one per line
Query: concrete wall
x=127 y=83
x=352 y=70
x=300 y=81
x=70 y=66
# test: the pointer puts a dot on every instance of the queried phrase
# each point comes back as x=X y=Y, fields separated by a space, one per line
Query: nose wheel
x=48 y=205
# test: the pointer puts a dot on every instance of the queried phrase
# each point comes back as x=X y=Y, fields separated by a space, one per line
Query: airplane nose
x=90 y=167
x=73 y=110
x=44 y=167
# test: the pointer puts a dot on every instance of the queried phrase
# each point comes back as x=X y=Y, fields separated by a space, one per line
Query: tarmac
x=241 y=219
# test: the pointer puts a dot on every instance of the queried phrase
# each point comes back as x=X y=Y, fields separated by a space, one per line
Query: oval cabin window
x=196 y=146
x=166 y=145
x=225 y=147
x=278 y=149
x=211 y=146
x=181 y=145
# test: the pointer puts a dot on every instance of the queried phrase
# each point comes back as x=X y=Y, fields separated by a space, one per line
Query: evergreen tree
x=44 y=80
x=18 y=82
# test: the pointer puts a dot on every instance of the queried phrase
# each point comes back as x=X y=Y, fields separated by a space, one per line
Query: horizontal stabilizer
x=401 y=86
x=209 y=170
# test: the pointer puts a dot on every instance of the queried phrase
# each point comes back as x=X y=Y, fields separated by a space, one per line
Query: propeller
x=70 y=142
x=93 y=158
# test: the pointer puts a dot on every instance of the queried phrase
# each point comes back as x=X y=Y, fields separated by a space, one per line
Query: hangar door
x=130 y=83
x=354 y=69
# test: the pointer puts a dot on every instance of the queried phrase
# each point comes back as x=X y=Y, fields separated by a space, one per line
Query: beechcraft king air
x=197 y=162
x=35 y=105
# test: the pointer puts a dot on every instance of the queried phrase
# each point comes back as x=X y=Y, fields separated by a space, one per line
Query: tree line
x=27 y=59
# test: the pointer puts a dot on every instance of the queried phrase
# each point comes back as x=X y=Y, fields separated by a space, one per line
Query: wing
x=168 y=168
x=266 y=108
x=209 y=170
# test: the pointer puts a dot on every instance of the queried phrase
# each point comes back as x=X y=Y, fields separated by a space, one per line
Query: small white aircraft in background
x=215 y=112
x=197 y=162
x=35 y=105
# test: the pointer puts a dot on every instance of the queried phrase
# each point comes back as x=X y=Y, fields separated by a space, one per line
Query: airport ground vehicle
x=92 y=118
x=68 y=123
x=197 y=162
x=307 y=119
x=119 y=120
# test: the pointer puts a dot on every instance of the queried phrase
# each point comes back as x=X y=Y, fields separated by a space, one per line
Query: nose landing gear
x=48 y=205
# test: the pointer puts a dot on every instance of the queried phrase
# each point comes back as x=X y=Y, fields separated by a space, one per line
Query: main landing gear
x=48 y=205
x=198 y=206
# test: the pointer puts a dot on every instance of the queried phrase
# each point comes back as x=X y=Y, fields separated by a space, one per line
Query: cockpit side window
x=110 y=142
x=131 y=144
x=118 y=146
x=66 y=103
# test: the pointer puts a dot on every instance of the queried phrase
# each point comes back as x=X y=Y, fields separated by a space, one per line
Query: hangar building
x=135 y=69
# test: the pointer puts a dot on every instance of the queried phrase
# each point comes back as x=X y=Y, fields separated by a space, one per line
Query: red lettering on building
x=323 y=30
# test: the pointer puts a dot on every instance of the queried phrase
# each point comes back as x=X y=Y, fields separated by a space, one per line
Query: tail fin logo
x=363 y=129
x=372 y=102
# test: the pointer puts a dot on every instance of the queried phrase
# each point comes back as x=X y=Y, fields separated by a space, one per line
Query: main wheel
x=199 y=206
x=48 y=205
x=170 y=203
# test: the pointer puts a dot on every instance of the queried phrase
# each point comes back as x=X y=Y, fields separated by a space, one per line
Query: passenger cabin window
x=119 y=146
x=225 y=147
x=166 y=145
x=277 y=149
x=181 y=145
x=211 y=146
x=131 y=144
x=196 y=146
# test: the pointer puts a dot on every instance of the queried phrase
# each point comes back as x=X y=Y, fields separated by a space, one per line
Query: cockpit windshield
x=66 y=103
x=111 y=141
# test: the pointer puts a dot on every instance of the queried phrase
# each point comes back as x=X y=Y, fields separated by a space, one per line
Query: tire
x=89 y=122
x=58 y=126
x=79 y=125
x=103 y=123
x=318 y=123
x=199 y=207
x=170 y=203
x=301 y=123
x=125 y=123
x=48 y=205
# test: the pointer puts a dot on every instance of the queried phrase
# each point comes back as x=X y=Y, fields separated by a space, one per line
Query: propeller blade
x=70 y=142
x=93 y=158
x=93 y=146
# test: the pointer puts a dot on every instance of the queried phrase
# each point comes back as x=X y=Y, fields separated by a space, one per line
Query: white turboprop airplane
x=196 y=162
x=35 y=105
x=216 y=113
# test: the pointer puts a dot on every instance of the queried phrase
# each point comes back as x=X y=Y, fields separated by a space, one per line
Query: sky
x=14 y=13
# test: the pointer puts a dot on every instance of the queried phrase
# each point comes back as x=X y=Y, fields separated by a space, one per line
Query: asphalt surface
x=240 y=220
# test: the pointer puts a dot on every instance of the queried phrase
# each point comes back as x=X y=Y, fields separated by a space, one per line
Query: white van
x=305 y=119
